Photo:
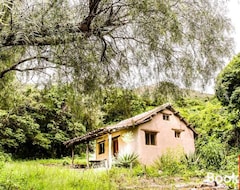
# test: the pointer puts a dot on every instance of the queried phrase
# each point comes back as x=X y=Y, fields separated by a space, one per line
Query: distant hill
x=170 y=89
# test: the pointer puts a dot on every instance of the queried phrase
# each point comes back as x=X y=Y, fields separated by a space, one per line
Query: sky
x=234 y=14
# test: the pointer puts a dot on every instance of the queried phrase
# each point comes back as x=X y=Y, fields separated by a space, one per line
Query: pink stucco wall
x=165 y=138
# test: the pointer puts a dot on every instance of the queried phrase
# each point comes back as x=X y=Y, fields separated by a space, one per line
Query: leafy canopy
x=228 y=93
x=38 y=125
x=228 y=84
x=97 y=42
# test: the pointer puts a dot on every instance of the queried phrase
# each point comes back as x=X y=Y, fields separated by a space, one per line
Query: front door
x=115 y=146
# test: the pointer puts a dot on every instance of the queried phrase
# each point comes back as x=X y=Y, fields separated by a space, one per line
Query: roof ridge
x=136 y=120
x=132 y=121
x=155 y=110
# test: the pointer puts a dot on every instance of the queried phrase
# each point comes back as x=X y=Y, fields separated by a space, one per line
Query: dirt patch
x=161 y=183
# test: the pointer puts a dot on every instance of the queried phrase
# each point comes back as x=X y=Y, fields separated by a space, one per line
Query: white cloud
x=234 y=14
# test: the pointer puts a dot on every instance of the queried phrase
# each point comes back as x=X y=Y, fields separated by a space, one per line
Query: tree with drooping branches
x=97 y=42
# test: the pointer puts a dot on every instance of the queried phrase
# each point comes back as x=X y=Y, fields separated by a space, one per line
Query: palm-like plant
x=127 y=159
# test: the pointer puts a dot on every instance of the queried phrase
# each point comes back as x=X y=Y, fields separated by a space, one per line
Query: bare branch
x=103 y=56
x=35 y=68
x=14 y=67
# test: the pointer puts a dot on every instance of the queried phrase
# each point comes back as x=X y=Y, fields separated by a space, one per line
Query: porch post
x=72 y=155
x=87 y=154
x=109 y=150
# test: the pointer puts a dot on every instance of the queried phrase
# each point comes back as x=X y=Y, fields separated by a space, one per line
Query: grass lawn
x=54 y=174
x=40 y=175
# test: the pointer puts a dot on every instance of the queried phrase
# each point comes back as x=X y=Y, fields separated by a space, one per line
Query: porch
x=94 y=163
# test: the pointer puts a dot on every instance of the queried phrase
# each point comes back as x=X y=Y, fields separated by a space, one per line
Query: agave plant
x=127 y=159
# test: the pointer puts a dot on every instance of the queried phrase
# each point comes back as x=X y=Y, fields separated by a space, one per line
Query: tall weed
x=173 y=161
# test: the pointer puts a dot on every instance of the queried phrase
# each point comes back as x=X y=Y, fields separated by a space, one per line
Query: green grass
x=32 y=175
x=63 y=161
x=53 y=174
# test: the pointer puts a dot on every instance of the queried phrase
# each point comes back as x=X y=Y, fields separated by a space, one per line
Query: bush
x=173 y=161
x=192 y=160
x=3 y=158
x=212 y=154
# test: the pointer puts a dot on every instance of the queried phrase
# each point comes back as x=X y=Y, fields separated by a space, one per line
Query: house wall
x=165 y=138
x=126 y=143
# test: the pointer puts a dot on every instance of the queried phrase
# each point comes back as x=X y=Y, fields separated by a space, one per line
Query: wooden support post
x=238 y=172
x=109 y=151
x=72 y=155
x=87 y=154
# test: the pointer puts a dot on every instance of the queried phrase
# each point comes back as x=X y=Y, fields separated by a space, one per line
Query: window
x=166 y=117
x=177 y=134
x=150 y=138
x=101 y=147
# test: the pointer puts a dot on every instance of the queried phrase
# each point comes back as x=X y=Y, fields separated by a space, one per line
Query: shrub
x=173 y=161
x=192 y=160
x=3 y=158
x=212 y=154
x=127 y=159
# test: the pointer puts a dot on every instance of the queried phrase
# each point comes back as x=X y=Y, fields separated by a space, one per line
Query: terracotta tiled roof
x=127 y=123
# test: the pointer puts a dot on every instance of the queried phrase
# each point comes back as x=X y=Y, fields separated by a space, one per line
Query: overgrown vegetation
x=172 y=162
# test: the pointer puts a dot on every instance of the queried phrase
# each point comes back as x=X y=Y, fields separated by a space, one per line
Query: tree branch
x=52 y=35
x=34 y=69
x=14 y=67
x=103 y=55
x=85 y=25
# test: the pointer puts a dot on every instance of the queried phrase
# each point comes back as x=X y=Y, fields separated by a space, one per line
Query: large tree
x=97 y=41
x=228 y=93
x=228 y=84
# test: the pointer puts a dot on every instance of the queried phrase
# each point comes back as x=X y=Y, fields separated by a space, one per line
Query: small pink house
x=148 y=135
